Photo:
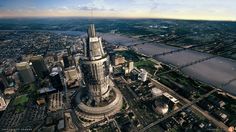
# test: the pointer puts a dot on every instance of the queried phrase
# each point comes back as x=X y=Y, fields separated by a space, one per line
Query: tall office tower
x=67 y=60
x=99 y=98
x=3 y=80
x=143 y=75
x=95 y=67
x=39 y=66
x=130 y=66
x=56 y=80
x=25 y=73
x=68 y=48
x=76 y=58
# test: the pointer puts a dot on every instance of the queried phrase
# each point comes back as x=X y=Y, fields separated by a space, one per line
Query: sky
x=173 y=9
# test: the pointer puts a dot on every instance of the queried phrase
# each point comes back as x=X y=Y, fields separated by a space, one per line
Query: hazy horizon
x=215 y=10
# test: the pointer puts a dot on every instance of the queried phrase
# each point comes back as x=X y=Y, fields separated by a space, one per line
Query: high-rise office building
x=3 y=80
x=143 y=75
x=130 y=66
x=103 y=98
x=67 y=60
x=95 y=67
x=25 y=72
x=56 y=80
x=68 y=48
x=39 y=66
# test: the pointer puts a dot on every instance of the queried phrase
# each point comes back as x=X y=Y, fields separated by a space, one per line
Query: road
x=130 y=90
x=130 y=99
x=71 y=110
x=76 y=121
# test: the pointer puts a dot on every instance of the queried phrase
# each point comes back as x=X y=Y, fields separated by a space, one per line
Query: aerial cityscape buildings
x=129 y=76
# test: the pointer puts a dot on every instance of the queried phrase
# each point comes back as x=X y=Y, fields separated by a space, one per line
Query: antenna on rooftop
x=91 y=14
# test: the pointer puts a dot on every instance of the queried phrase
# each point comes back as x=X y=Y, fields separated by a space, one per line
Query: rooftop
x=174 y=100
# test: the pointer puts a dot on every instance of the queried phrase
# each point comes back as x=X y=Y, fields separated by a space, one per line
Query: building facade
x=3 y=80
x=25 y=73
x=56 y=81
x=95 y=67
x=39 y=66
x=99 y=98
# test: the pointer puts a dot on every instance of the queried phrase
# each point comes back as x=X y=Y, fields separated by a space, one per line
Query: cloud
x=63 y=8
x=89 y=8
x=96 y=5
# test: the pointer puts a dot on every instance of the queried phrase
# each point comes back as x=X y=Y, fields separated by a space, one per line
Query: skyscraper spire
x=91 y=31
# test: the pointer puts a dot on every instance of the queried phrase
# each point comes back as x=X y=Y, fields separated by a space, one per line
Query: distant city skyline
x=173 y=9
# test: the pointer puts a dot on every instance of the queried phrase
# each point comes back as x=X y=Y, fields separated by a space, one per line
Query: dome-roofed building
x=160 y=107
x=156 y=92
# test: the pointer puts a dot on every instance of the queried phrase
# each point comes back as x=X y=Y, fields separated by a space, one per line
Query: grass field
x=30 y=88
x=130 y=55
x=21 y=100
x=147 y=65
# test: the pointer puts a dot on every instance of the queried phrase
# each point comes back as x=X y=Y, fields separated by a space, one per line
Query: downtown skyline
x=170 y=9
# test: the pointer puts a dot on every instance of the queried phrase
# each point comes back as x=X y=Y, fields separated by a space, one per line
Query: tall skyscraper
x=25 y=73
x=56 y=81
x=95 y=67
x=3 y=80
x=130 y=66
x=100 y=97
x=67 y=60
x=68 y=48
x=39 y=66
x=143 y=75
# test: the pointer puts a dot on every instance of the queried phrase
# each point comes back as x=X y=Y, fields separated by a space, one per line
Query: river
x=216 y=71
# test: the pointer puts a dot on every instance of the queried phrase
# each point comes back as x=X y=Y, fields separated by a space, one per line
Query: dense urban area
x=166 y=75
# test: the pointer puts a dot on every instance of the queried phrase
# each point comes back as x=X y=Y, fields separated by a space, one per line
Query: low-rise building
x=3 y=104
x=118 y=60
x=41 y=101
x=71 y=74
x=56 y=102
x=10 y=91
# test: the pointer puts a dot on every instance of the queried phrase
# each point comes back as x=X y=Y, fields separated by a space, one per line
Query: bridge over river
x=213 y=70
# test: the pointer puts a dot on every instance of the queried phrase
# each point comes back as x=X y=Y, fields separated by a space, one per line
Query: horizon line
x=109 y=17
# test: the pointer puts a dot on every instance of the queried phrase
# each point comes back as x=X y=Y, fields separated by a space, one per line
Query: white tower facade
x=99 y=98
x=95 y=67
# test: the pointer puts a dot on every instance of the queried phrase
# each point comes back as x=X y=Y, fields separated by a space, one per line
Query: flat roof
x=170 y=97
x=54 y=73
x=46 y=90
